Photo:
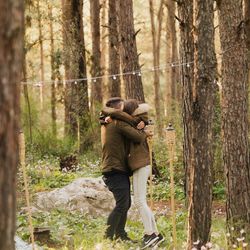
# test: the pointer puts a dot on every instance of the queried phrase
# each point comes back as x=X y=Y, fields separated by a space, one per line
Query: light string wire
x=137 y=72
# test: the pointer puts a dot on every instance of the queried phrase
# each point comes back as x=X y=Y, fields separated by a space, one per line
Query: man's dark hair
x=114 y=102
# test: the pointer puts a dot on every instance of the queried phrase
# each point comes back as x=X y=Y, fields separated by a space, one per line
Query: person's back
x=113 y=149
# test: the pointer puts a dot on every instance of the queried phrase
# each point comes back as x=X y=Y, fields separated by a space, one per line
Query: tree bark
x=96 y=87
x=114 y=57
x=185 y=9
x=128 y=49
x=175 y=90
x=11 y=59
x=104 y=45
x=168 y=95
x=53 y=71
x=41 y=51
x=203 y=97
x=235 y=113
x=156 y=41
x=247 y=28
x=76 y=95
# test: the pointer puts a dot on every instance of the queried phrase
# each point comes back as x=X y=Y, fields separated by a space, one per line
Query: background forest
x=187 y=59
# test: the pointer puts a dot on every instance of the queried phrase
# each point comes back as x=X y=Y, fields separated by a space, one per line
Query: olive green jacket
x=138 y=156
x=115 y=137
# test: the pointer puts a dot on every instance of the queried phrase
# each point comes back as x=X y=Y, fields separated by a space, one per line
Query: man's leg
x=119 y=185
x=120 y=231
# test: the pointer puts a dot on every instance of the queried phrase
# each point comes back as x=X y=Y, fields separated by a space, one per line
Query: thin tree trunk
x=26 y=96
x=114 y=57
x=53 y=71
x=104 y=52
x=129 y=56
x=235 y=114
x=41 y=51
x=11 y=59
x=168 y=96
x=96 y=87
x=156 y=41
x=175 y=90
x=200 y=182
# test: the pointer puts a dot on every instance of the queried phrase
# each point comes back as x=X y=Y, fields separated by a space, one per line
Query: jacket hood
x=143 y=108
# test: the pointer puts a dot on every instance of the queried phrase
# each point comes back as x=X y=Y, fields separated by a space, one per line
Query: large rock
x=88 y=195
x=22 y=245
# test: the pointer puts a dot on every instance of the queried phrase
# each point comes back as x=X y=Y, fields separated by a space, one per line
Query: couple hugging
x=124 y=153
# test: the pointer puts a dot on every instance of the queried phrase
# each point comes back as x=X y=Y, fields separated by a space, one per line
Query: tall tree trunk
x=175 y=90
x=104 y=38
x=247 y=28
x=96 y=87
x=129 y=56
x=11 y=57
x=235 y=113
x=168 y=95
x=76 y=95
x=185 y=10
x=26 y=96
x=53 y=71
x=41 y=50
x=156 y=41
x=200 y=185
x=114 y=57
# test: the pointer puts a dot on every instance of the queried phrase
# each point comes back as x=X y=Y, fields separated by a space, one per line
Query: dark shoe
x=125 y=238
x=148 y=240
x=158 y=241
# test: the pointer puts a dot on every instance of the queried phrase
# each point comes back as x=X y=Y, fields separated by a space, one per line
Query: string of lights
x=138 y=72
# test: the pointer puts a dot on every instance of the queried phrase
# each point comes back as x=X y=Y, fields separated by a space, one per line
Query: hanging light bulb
x=114 y=77
x=75 y=82
x=188 y=65
x=94 y=80
x=139 y=73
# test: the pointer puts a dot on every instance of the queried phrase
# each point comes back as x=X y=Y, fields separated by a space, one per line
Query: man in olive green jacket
x=115 y=138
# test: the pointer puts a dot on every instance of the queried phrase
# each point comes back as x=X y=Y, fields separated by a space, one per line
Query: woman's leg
x=140 y=178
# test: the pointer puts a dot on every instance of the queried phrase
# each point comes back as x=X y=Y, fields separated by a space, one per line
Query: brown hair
x=130 y=106
x=114 y=102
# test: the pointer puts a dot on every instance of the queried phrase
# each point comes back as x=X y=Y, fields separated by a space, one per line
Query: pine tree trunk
x=114 y=57
x=11 y=57
x=156 y=40
x=168 y=95
x=185 y=9
x=200 y=183
x=247 y=28
x=104 y=43
x=96 y=87
x=41 y=51
x=53 y=72
x=76 y=94
x=175 y=90
x=235 y=113
x=129 y=56
x=26 y=96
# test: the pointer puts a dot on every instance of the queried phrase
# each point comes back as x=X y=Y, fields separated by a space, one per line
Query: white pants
x=140 y=177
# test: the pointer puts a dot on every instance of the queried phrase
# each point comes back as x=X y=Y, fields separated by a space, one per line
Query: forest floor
x=73 y=230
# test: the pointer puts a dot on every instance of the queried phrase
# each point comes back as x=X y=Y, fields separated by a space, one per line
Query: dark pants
x=119 y=185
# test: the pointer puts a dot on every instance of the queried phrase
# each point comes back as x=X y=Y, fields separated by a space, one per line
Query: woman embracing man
x=125 y=152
